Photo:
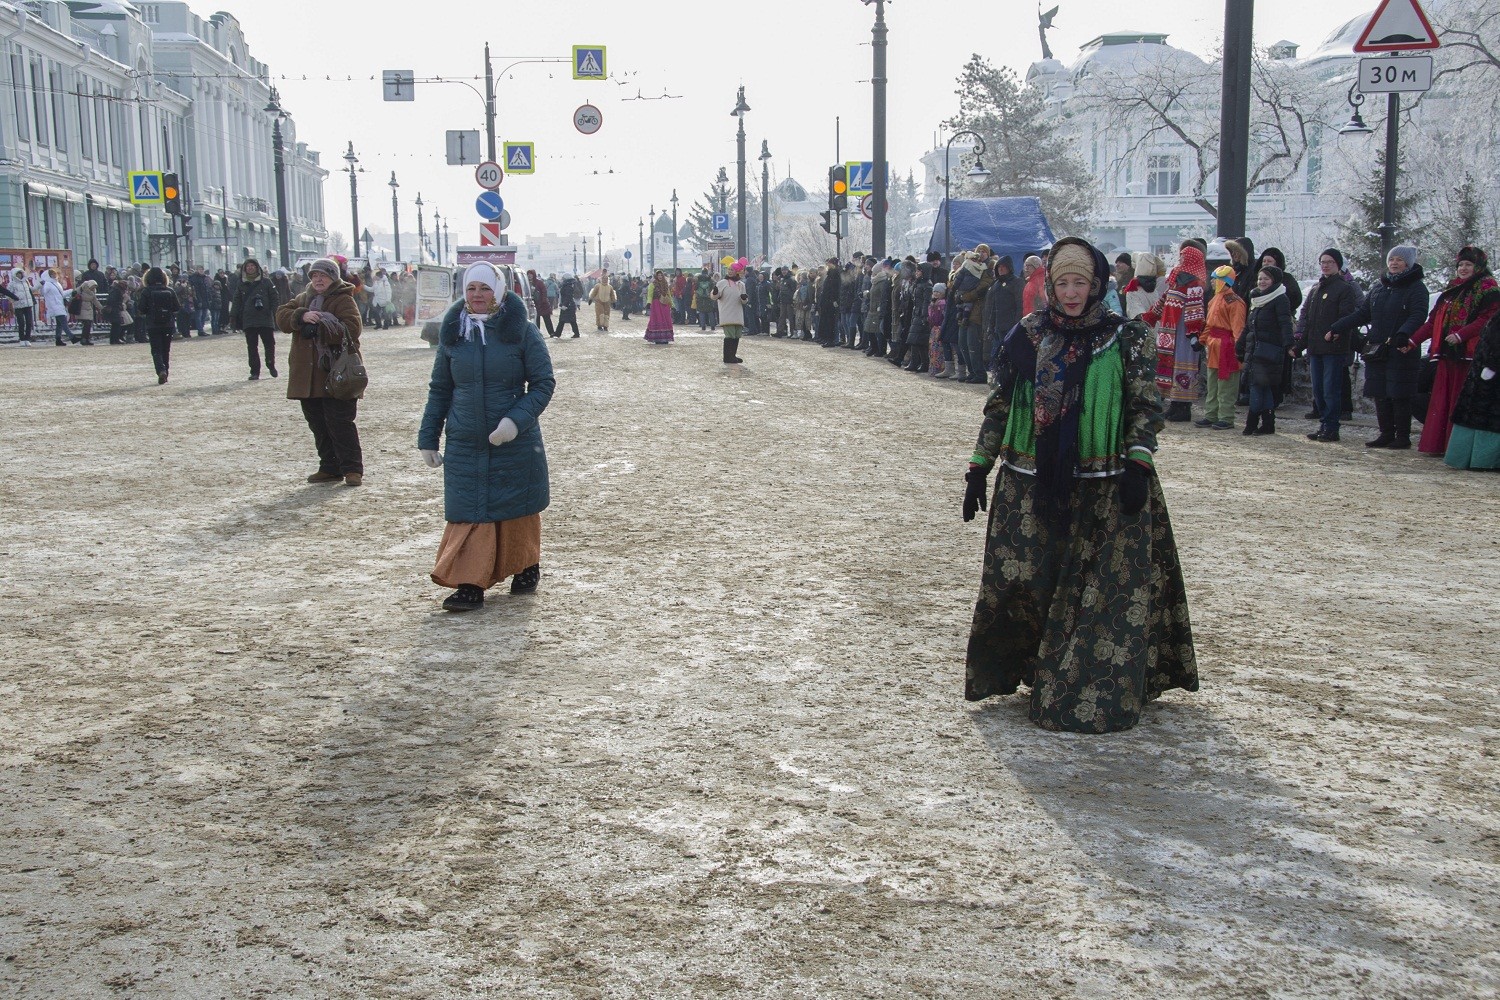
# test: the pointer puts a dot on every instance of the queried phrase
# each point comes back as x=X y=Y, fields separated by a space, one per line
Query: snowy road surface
x=723 y=751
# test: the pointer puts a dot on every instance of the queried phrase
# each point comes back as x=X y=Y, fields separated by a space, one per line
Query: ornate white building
x=99 y=88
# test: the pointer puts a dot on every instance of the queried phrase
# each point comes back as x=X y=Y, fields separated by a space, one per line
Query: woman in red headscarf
x=1464 y=308
x=1176 y=322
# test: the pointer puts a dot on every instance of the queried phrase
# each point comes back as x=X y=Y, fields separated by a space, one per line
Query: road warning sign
x=1397 y=25
x=145 y=187
x=588 y=62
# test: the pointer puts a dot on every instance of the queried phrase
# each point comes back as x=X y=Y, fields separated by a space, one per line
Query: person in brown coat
x=318 y=321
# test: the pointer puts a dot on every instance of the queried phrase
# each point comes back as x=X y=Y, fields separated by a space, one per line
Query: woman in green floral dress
x=1082 y=598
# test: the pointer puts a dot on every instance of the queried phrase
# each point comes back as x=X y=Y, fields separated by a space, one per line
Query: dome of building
x=1131 y=51
x=790 y=190
x=663 y=224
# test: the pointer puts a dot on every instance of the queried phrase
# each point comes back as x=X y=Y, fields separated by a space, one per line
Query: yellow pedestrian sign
x=588 y=62
x=520 y=157
x=145 y=187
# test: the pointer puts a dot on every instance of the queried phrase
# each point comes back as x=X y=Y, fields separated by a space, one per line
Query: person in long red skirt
x=1462 y=311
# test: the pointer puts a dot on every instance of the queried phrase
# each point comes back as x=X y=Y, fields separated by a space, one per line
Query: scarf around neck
x=1259 y=299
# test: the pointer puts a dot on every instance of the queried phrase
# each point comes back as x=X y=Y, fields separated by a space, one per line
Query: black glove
x=977 y=485
x=1133 y=488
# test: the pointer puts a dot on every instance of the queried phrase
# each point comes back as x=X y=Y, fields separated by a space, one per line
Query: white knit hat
x=483 y=272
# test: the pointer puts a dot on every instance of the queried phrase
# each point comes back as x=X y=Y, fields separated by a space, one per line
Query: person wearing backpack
x=159 y=305
x=253 y=310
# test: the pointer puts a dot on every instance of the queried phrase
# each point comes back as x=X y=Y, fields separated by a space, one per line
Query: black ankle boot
x=466 y=598
x=525 y=581
x=1267 y=422
x=1252 y=422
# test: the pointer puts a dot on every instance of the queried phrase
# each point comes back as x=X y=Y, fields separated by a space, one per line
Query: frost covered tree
x=1359 y=234
x=1024 y=151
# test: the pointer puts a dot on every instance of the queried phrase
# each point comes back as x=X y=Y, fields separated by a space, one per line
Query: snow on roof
x=102 y=10
x=1129 y=52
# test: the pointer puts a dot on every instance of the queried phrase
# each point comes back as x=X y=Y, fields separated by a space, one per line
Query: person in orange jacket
x=1221 y=331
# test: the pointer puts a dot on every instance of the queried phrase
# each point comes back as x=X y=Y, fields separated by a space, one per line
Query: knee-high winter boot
x=1252 y=422
x=1401 y=423
x=1385 y=418
x=1267 y=422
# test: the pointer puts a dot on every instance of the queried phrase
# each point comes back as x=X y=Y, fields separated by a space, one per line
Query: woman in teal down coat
x=491 y=380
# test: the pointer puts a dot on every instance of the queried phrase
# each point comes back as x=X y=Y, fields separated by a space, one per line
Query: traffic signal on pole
x=187 y=226
x=171 y=193
x=838 y=188
x=827 y=221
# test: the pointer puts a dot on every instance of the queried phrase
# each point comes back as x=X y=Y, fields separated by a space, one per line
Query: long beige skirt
x=484 y=554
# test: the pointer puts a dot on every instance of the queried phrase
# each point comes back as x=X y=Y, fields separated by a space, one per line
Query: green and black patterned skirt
x=1094 y=619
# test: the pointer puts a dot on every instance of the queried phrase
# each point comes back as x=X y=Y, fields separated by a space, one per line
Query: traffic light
x=827 y=221
x=838 y=188
x=171 y=193
x=187 y=226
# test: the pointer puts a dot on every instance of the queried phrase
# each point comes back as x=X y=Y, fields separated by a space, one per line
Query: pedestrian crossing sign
x=520 y=157
x=588 y=62
x=145 y=187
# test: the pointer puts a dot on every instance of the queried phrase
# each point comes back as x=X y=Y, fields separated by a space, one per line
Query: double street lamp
x=279 y=152
x=765 y=200
x=354 y=169
x=976 y=172
x=741 y=229
x=421 y=233
x=395 y=215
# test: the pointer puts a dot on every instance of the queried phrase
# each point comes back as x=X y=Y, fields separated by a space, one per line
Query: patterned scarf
x=1064 y=348
x=1183 y=299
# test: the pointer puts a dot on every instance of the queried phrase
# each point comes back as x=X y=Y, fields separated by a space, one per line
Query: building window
x=39 y=103
x=59 y=111
x=101 y=108
x=85 y=140
x=18 y=77
x=1163 y=175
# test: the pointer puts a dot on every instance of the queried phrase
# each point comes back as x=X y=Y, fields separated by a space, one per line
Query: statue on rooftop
x=1044 y=22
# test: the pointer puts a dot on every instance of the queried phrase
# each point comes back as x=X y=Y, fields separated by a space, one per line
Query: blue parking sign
x=721 y=222
x=588 y=62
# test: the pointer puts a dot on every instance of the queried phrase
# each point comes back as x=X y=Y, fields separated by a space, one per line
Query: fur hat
x=1474 y=256
x=325 y=266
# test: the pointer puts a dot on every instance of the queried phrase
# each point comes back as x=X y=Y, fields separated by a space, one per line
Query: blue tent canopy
x=1013 y=227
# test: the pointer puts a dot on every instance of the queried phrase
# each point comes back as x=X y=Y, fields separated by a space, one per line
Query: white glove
x=505 y=432
x=432 y=458
x=1487 y=374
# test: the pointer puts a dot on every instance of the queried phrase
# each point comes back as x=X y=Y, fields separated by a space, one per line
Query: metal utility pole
x=585 y=252
x=879 y=194
x=641 y=260
x=674 y=229
x=279 y=163
x=489 y=102
x=395 y=215
x=741 y=227
x=838 y=216
x=600 y=247
x=1234 y=117
x=765 y=202
x=447 y=244
x=653 y=238
x=1388 y=215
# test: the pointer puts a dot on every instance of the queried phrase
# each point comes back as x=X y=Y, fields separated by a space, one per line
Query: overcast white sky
x=802 y=63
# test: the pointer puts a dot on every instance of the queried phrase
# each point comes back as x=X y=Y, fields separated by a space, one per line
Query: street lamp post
x=878 y=195
x=585 y=242
x=395 y=215
x=421 y=233
x=674 y=229
x=1356 y=126
x=279 y=161
x=765 y=200
x=641 y=260
x=353 y=162
x=653 y=239
x=741 y=227
x=600 y=247
x=575 y=258
x=976 y=172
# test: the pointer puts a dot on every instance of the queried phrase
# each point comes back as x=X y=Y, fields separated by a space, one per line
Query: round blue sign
x=628 y=255
x=490 y=206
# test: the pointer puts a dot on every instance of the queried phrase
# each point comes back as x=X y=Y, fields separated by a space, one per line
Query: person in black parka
x=1264 y=346
x=1394 y=310
x=159 y=306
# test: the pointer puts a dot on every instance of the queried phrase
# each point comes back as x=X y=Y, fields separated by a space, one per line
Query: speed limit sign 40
x=489 y=175
x=588 y=119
